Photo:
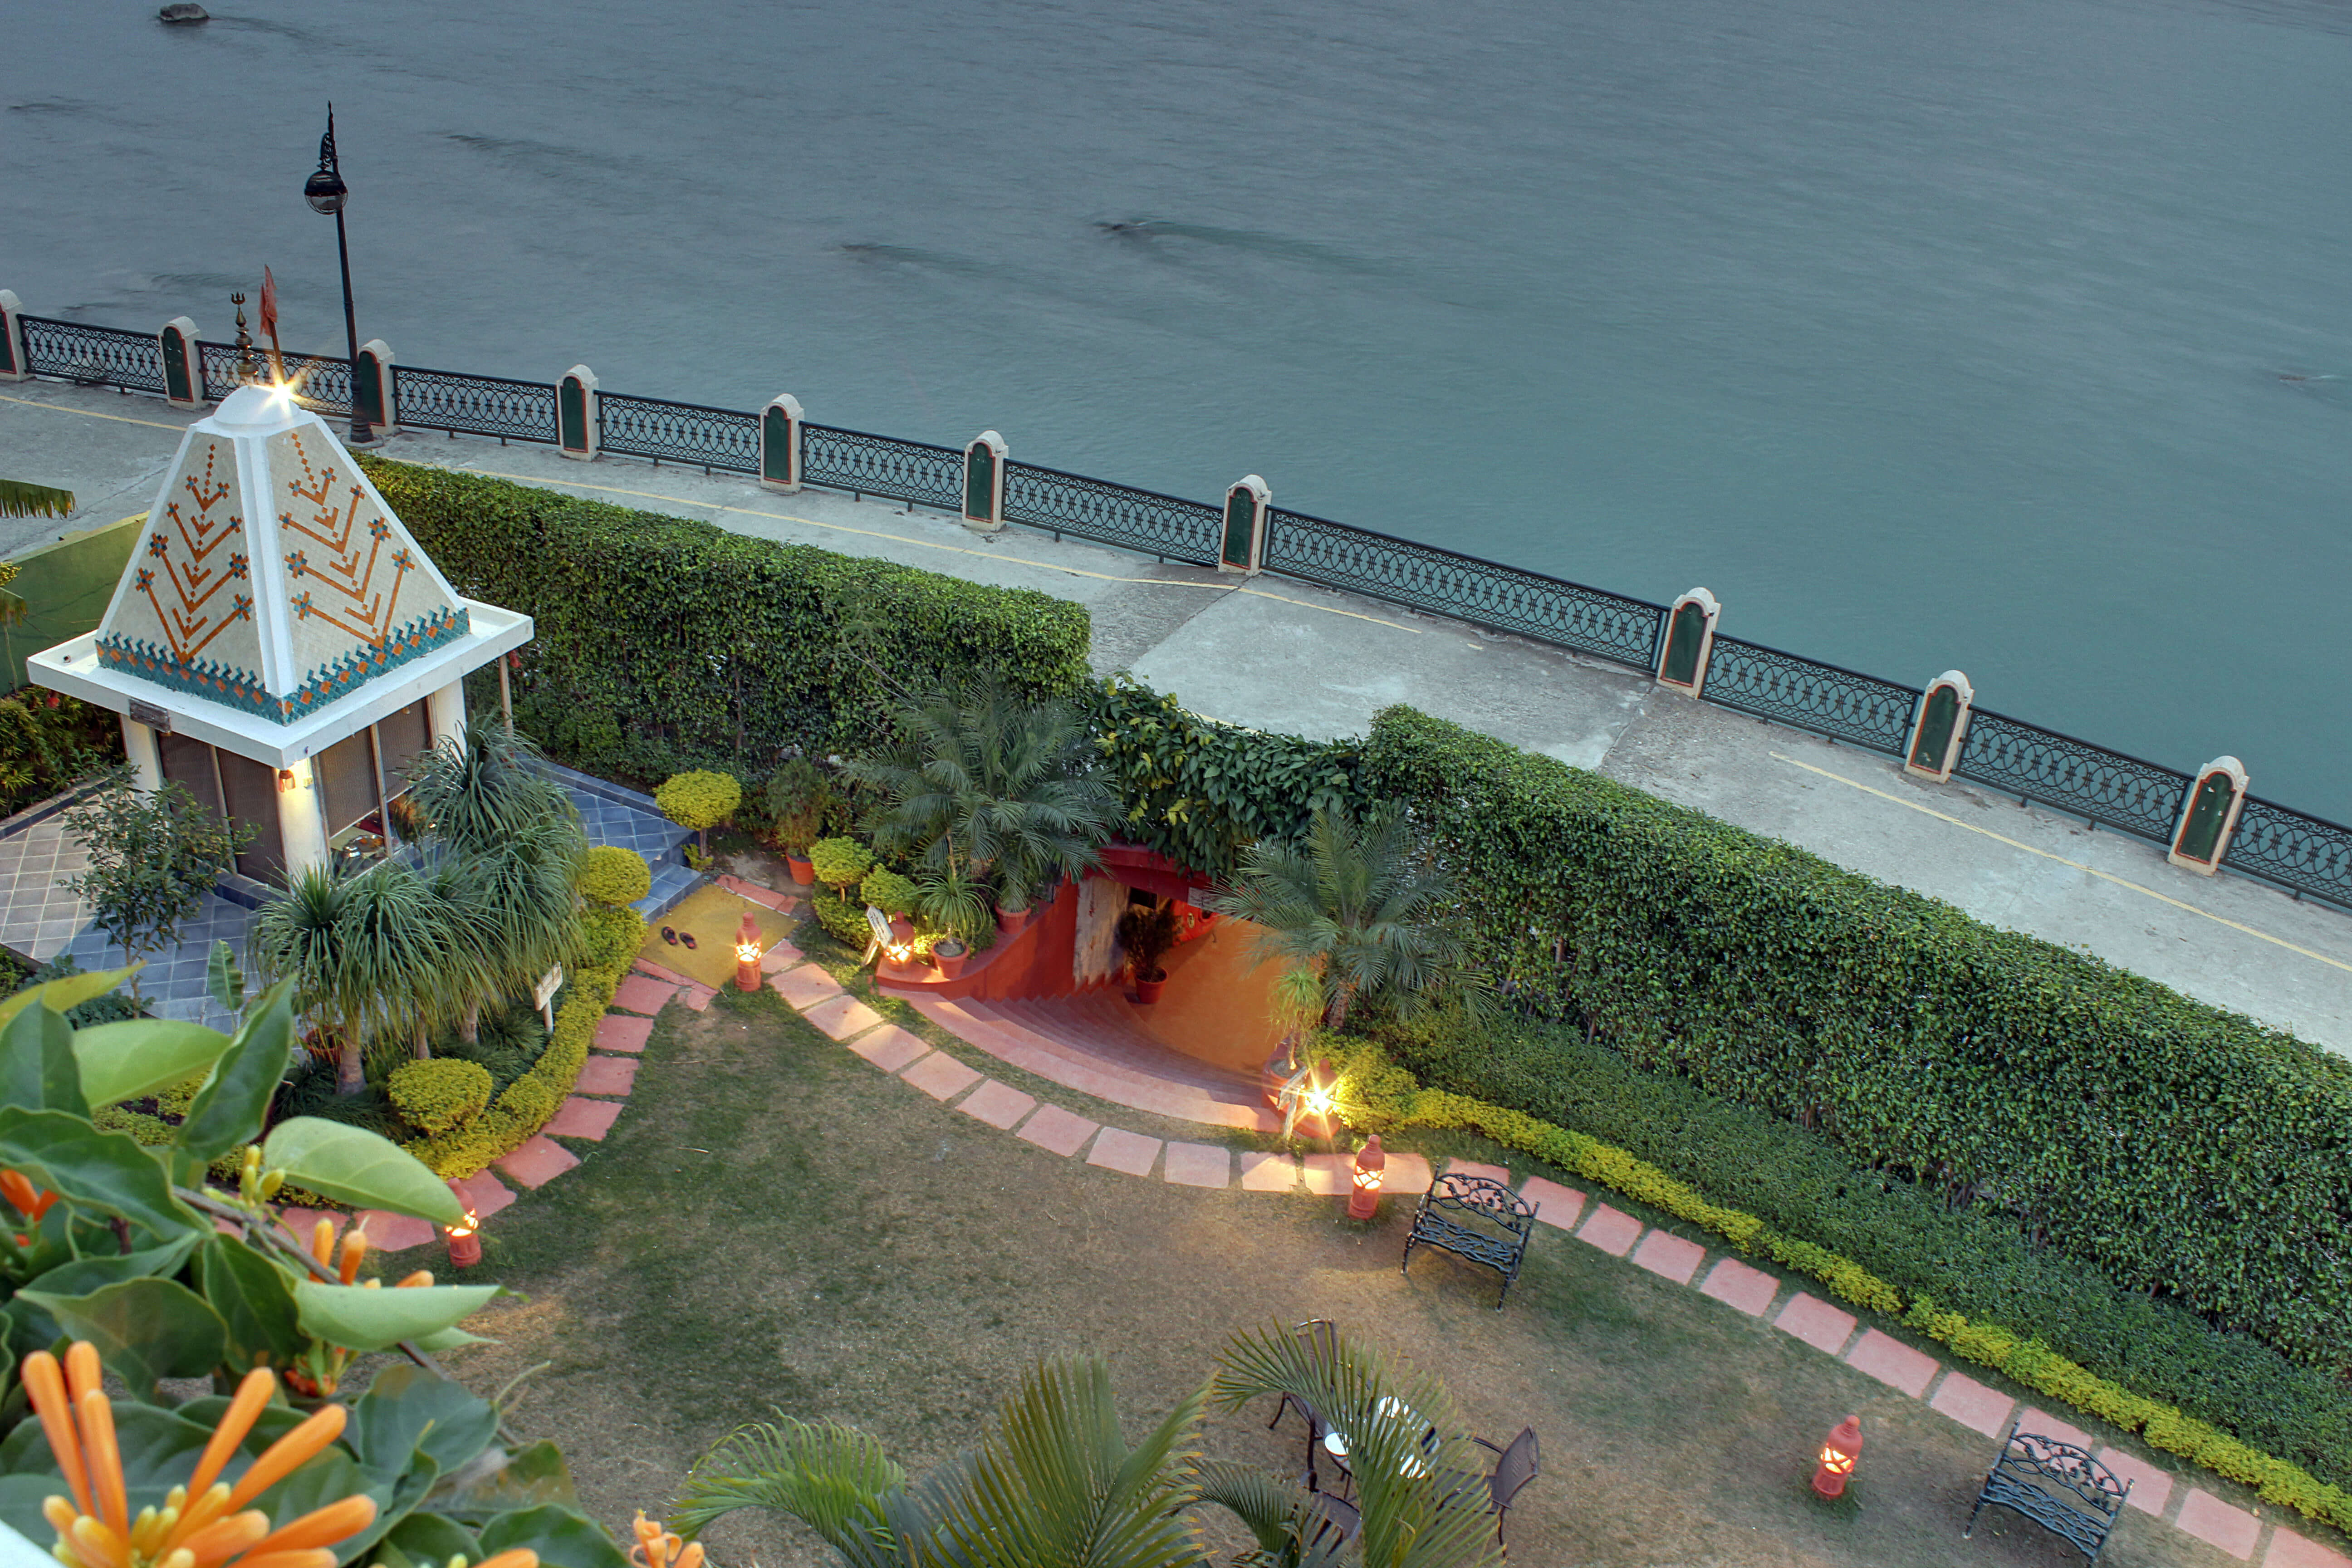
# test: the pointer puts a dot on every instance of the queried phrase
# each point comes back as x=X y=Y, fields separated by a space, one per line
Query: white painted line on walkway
x=91 y=414
x=2063 y=860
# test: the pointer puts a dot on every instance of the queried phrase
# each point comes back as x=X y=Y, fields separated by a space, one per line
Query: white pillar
x=577 y=432
x=11 y=339
x=302 y=824
x=446 y=710
x=146 y=757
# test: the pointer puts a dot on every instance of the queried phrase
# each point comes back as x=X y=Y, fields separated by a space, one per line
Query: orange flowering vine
x=657 y=1548
x=29 y=1200
x=322 y=1365
x=205 y=1522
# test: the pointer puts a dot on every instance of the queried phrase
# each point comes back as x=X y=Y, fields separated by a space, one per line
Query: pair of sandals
x=674 y=936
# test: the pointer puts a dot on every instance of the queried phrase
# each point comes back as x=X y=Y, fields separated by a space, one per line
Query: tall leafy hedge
x=2180 y=1148
x=664 y=643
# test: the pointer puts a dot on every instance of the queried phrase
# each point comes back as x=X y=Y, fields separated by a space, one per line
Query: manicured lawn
x=773 y=1223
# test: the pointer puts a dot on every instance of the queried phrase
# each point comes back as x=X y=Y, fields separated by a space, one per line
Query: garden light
x=1839 y=1449
x=747 y=954
x=465 y=1237
x=1372 y=1168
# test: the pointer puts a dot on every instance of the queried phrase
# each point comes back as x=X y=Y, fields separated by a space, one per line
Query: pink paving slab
x=803 y=986
x=1612 y=1231
x=1555 y=1205
x=1669 y=1257
x=2042 y=1424
x=2216 y=1523
x=1269 y=1172
x=1816 y=1323
x=643 y=993
x=1332 y=1174
x=2151 y=1485
x=1408 y=1176
x=697 y=998
x=842 y=1017
x=589 y=1119
x=1198 y=1165
x=1057 y=1130
x=780 y=957
x=889 y=1048
x=2289 y=1550
x=608 y=1075
x=537 y=1162
x=1972 y=1404
x=998 y=1104
x=662 y=972
x=1472 y=1168
x=941 y=1075
x=1893 y=1362
x=1736 y=1284
x=1118 y=1149
x=619 y=1032
x=485 y=1193
x=389 y=1232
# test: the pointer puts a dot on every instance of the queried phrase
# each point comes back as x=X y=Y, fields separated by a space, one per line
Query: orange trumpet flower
x=30 y=1201
x=204 y=1523
x=657 y=1548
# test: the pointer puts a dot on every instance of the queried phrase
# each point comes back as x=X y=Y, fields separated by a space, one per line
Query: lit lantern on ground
x=1839 y=1449
x=465 y=1237
x=1372 y=1168
x=747 y=954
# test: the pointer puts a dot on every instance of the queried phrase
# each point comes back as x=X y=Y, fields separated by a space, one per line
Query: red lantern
x=465 y=1237
x=747 y=954
x=1839 y=1449
x=1372 y=1167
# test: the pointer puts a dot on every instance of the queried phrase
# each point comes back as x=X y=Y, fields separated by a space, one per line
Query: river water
x=1927 y=333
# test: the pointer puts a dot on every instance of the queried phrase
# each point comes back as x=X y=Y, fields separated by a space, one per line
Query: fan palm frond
x=477 y=788
x=19 y=498
x=834 y=1478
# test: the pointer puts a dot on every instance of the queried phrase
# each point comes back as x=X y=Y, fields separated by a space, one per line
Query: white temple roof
x=278 y=603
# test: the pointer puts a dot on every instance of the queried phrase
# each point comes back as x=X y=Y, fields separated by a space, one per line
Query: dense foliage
x=48 y=743
x=664 y=643
x=2180 y=1148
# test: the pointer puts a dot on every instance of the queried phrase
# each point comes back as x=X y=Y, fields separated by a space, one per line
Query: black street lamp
x=326 y=193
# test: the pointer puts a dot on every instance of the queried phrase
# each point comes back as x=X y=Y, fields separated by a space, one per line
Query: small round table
x=1390 y=1409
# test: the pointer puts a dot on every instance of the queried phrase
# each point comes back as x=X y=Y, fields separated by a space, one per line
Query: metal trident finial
x=327 y=142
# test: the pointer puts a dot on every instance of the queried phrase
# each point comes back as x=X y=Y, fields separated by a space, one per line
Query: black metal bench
x=2057 y=1486
x=1477 y=1218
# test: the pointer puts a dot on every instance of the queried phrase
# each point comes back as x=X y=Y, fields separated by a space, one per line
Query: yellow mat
x=711 y=913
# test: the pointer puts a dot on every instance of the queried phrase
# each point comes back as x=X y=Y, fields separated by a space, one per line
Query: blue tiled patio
x=39 y=918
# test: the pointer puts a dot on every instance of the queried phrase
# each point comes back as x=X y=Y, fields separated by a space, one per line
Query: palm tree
x=981 y=783
x=529 y=913
x=1055 y=1483
x=300 y=937
x=1351 y=915
x=376 y=957
x=476 y=789
x=19 y=498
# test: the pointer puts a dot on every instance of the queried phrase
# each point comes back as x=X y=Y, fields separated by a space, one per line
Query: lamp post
x=747 y=954
x=1371 y=1169
x=1839 y=1449
x=326 y=193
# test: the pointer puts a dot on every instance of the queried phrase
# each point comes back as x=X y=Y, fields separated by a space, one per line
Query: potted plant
x=802 y=803
x=1147 y=933
x=951 y=901
x=1012 y=903
x=948 y=956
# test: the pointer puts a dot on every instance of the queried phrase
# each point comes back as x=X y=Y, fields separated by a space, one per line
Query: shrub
x=50 y=742
x=840 y=862
x=889 y=892
x=610 y=937
x=613 y=877
x=526 y=1105
x=441 y=1094
x=2179 y=1148
x=663 y=643
x=843 y=919
x=700 y=800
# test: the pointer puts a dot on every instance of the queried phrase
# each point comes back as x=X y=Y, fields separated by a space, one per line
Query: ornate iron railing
x=473 y=404
x=321 y=382
x=2307 y=854
x=1843 y=704
x=882 y=466
x=1159 y=525
x=2073 y=775
x=92 y=357
x=679 y=432
x=1423 y=577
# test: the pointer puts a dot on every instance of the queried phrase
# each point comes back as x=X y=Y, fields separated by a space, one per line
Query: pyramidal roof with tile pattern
x=273 y=578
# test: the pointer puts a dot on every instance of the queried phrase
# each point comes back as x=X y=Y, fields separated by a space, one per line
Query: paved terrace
x=1282 y=656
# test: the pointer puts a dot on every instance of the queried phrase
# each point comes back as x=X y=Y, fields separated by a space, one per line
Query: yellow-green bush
x=612 y=876
x=701 y=799
x=1382 y=1096
x=441 y=1094
x=889 y=892
x=530 y=1101
x=610 y=937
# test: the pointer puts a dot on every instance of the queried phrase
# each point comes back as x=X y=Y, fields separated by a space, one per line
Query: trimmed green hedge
x=1904 y=1244
x=530 y=1101
x=2182 y=1149
x=1381 y=1094
x=665 y=644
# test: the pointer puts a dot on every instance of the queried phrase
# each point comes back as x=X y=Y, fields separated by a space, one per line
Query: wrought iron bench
x=2058 y=1486
x=1473 y=1218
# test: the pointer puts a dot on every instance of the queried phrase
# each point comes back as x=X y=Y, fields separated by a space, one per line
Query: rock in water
x=184 y=11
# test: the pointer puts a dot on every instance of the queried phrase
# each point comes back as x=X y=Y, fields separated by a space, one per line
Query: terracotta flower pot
x=1011 y=921
x=950 y=965
x=1148 y=990
x=803 y=870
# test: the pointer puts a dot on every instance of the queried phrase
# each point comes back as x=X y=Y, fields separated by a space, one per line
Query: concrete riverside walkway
x=1277 y=655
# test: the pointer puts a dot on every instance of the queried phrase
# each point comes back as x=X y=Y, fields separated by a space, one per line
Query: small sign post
x=879 y=923
x=543 y=996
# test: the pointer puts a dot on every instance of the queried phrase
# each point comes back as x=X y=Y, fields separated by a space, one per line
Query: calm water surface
x=1924 y=334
